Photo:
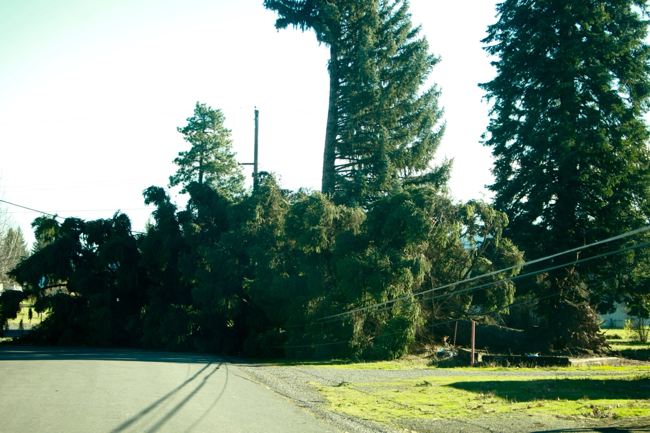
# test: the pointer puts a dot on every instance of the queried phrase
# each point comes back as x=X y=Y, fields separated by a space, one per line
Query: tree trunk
x=329 y=155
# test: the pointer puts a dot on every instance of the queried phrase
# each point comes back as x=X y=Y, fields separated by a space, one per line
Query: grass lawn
x=426 y=364
x=622 y=396
x=24 y=316
x=626 y=342
x=625 y=395
x=467 y=397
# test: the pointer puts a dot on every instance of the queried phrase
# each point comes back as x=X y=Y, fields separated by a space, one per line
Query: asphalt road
x=94 y=390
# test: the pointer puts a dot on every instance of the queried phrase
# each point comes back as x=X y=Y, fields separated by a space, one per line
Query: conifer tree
x=87 y=275
x=329 y=21
x=12 y=250
x=210 y=161
x=381 y=129
x=567 y=133
x=389 y=129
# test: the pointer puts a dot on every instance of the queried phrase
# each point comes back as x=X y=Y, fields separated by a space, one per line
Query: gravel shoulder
x=294 y=382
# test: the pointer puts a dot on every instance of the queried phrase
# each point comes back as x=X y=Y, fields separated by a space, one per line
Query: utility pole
x=473 y=341
x=257 y=123
x=254 y=163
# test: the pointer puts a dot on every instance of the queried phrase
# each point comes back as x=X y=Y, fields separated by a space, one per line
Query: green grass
x=24 y=316
x=612 y=334
x=421 y=363
x=621 y=340
x=468 y=397
x=414 y=365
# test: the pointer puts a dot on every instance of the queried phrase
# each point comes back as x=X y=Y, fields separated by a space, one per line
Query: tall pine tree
x=210 y=161
x=568 y=138
x=389 y=129
x=382 y=130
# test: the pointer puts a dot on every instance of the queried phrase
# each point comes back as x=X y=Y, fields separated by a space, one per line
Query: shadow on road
x=214 y=403
x=198 y=380
x=134 y=419
x=23 y=353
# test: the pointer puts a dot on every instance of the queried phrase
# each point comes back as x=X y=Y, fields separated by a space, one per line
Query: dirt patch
x=525 y=424
x=632 y=362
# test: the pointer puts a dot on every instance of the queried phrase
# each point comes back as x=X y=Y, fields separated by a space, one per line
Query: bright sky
x=91 y=94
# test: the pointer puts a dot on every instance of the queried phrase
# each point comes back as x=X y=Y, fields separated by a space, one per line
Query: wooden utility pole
x=255 y=180
x=254 y=163
x=473 y=341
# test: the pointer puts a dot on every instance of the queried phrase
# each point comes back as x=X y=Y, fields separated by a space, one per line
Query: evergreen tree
x=214 y=271
x=328 y=19
x=380 y=130
x=569 y=141
x=210 y=161
x=169 y=317
x=389 y=129
x=12 y=250
x=88 y=276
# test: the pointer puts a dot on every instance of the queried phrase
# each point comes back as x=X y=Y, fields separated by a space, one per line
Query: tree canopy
x=210 y=160
x=383 y=257
x=382 y=129
x=567 y=133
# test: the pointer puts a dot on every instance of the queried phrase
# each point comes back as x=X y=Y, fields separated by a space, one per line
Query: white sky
x=91 y=94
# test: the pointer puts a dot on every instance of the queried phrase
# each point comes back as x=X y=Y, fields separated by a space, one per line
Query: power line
x=68 y=211
x=387 y=305
x=530 y=274
x=467 y=280
x=465 y=315
x=343 y=316
x=33 y=210
x=493 y=283
x=98 y=210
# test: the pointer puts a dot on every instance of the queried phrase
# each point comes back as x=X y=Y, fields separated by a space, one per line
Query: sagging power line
x=467 y=280
x=33 y=210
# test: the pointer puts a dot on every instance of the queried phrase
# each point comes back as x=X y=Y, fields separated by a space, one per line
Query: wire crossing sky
x=91 y=94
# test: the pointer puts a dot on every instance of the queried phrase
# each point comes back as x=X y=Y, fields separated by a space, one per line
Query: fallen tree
x=579 y=331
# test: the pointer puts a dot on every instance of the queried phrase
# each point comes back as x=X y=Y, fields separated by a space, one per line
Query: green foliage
x=346 y=273
x=214 y=270
x=382 y=129
x=258 y=243
x=568 y=137
x=10 y=305
x=326 y=18
x=640 y=327
x=388 y=126
x=210 y=160
x=88 y=276
x=319 y=259
x=259 y=274
x=489 y=251
x=168 y=315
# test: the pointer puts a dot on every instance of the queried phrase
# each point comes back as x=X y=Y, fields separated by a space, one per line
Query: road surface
x=94 y=390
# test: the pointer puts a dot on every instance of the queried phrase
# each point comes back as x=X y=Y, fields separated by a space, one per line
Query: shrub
x=639 y=327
